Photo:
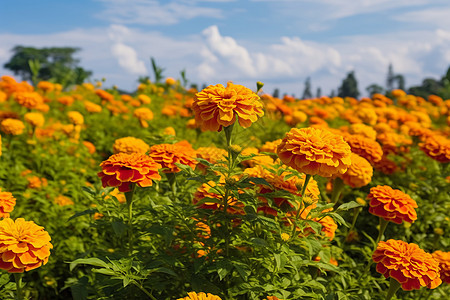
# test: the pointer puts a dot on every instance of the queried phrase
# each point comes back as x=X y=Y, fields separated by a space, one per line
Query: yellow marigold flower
x=169 y=131
x=200 y=296
x=63 y=200
x=130 y=145
x=398 y=93
x=392 y=205
x=437 y=147
x=367 y=115
x=35 y=119
x=7 y=203
x=359 y=173
x=169 y=154
x=144 y=114
x=285 y=237
x=218 y=106
x=259 y=159
x=121 y=169
x=45 y=86
x=315 y=151
x=75 y=118
x=363 y=130
x=443 y=258
x=29 y=100
x=24 y=246
x=3 y=96
x=34 y=182
x=299 y=117
x=170 y=81
x=92 y=107
x=365 y=147
x=144 y=99
x=270 y=146
x=211 y=154
x=408 y=264
x=12 y=126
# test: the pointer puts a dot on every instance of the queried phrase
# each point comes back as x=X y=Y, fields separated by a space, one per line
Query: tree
x=276 y=93
x=349 y=87
x=54 y=64
x=390 y=78
x=374 y=89
x=307 y=91
x=400 y=81
x=319 y=92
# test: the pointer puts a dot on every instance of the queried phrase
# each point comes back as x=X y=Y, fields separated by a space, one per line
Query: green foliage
x=55 y=64
x=349 y=86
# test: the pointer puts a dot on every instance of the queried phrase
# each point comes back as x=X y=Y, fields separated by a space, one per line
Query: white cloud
x=128 y=59
x=434 y=16
x=152 y=12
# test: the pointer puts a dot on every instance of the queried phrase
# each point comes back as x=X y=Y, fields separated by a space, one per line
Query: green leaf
x=93 y=261
x=166 y=270
x=223 y=268
x=348 y=205
x=126 y=281
x=258 y=242
x=104 y=271
x=89 y=211
x=79 y=290
x=119 y=227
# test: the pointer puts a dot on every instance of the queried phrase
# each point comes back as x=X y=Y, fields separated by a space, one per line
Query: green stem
x=18 y=280
x=393 y=287
x=144 y=290
x=172 y=178
x=338 y=187
x=299 y=211
x=356 y=212
x=129 y=197
x=383 y=225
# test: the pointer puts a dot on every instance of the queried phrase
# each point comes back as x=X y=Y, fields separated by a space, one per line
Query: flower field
x=223 y=193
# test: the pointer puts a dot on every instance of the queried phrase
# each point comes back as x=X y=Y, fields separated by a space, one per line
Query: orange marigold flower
x=35 y=119
x=209 y=191
x=7 y=203
x=130 y=145
x=363 y=130
x=144 y=99
x=443 y=258
x=24 y=246
x=359 y=173
x=92 y=107
x=365 y=147
x=392 y=205
x=144 y=114
x=211 y=154
x=217 y=106
x=75 y=118
x=273 y=298
x=29 y=100
x=315 y=151
x=90 y=147
x=12 y=126
x=63 y=200
x=104 y=95
x=437 y=147
x=66 y=100
x=45 y=86
x=170 y=81
x=408 y=264
x=258 y=159
x=270 y=146
x=169 y=154
x=169 y=131
x=34 y=182
x=121 y=169
x=200 y=296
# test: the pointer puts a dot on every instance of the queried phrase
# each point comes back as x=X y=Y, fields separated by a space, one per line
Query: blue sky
x=278 y=42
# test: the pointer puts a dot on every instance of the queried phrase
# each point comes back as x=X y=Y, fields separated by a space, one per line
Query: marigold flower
x=258 y=159
x=170 y=81
x=92 y=107
x=200 y=296
x=7 y=203
x=144 y=114
x=63 y=200
x=34 y=182
x=408 y=264
x=443 y=258
x=315 y=151
x=363 y=130
x=144 y=99
x=437 y=147
x=270 y=146
x=359 y=173
x=211 y=154
x=209 y=191
x=217 y=106
x=169 y=154
x=46 y=86
x=169 y=131
x=104 y=95
x=66 y=100
x=121 y=169
x=365 y=147
x=130 y=145
x=90 y=147
x=24 y=246
x=392 y=205
x=35 y=119
x=29 y=100
x=75 y=118
x=12 y=126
